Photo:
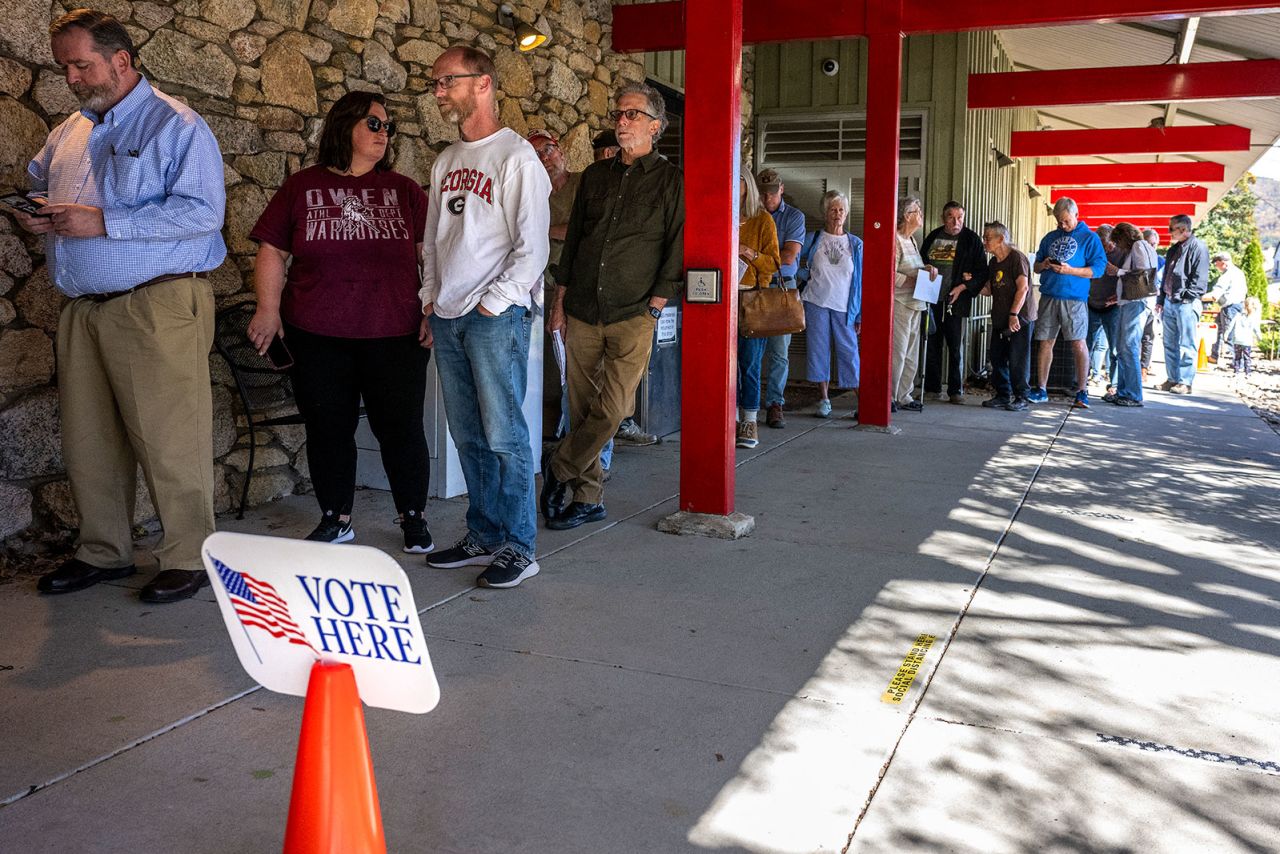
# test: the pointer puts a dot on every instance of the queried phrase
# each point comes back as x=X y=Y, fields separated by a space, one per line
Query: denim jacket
x=853 y=315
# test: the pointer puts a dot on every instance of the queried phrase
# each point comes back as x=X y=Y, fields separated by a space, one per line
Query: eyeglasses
x=546 y=149
x=632 y=115
x=375 y=124
x=446 y=81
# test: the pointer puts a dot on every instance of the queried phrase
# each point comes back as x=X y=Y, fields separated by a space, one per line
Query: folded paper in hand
x=927 y=288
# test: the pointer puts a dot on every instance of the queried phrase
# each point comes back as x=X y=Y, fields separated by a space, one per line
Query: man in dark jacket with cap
x=957 y=253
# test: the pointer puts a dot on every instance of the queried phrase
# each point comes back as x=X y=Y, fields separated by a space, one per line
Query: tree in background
x=1230 y=226
x=1255 y=270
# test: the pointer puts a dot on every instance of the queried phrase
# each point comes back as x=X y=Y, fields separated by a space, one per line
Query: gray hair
x=1221 y=256
x=1104 y=231
x=1148 y=233
x=831 y=196
x=1066 y=204
x=1180 y=221
x=999 y=228
x=904 y=205
x=657 y=105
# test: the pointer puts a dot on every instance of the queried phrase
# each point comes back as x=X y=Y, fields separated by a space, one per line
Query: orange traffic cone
x=334 y=805
x=1202 y=354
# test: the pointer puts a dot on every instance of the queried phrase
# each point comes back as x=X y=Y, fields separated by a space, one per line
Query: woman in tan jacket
x=758 y=250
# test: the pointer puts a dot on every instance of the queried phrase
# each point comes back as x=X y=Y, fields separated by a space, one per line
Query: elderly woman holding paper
x=907 y=310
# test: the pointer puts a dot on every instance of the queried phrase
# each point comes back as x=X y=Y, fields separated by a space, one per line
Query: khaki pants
x=906 y=349
x=605 y=365
x=133 y=387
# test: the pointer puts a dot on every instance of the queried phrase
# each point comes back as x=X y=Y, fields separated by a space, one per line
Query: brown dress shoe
x=173 y=585
x=77 y=575
x=773 y=416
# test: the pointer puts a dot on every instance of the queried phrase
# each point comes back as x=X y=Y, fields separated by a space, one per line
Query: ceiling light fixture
x=528 y=36
x=1002 y=159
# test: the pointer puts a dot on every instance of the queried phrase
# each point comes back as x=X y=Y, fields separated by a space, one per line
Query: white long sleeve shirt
x=486 y=238
x=1230 y=287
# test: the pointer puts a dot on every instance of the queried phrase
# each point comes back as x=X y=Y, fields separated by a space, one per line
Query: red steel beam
x=1142 y=84
x=1130 y=173
x=713 y=83
x=1068 y=143
x=1087 y=195
x=660 y=26
x=1123 y=208
x=879 y=213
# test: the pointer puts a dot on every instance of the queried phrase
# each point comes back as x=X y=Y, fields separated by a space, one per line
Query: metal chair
x=263 y=389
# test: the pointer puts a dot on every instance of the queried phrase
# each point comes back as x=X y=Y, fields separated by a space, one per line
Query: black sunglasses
x=631 y=115
x=375 y=124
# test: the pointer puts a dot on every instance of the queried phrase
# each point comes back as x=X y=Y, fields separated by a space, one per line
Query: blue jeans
x=1133 y=319
x=750 y=354
x=1102 y=339
x=777 y=364
x=1180 y=321
x=1226 y=317
x=484 y=364
x=776 y=353
x=1011 y=361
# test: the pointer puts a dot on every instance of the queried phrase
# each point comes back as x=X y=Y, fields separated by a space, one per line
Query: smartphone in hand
x=278 y=355
x=22 y=203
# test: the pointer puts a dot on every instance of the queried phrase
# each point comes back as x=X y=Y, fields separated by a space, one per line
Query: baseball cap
x=542 y=133
x=768 y=179
x=608 y=139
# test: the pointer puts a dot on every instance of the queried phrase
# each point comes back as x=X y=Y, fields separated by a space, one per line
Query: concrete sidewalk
x=1102 y=587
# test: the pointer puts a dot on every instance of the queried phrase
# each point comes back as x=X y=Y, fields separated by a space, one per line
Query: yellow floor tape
x=906 y=674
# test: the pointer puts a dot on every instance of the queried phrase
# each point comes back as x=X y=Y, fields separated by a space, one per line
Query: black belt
x=148 y=283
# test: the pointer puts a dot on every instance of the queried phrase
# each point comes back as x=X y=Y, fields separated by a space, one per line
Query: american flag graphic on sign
x=257 y=604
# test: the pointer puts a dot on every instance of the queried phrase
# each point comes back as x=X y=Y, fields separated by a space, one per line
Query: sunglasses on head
x=375 y=124
x=631 y=115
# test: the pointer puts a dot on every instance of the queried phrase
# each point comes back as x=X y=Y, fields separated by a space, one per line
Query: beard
x=457 y=111
x=97 y=98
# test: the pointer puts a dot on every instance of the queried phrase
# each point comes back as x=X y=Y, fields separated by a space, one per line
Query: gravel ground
x=1262 y=390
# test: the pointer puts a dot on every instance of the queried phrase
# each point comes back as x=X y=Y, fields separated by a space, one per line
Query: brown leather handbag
x=1138 y=284
x=766 y=312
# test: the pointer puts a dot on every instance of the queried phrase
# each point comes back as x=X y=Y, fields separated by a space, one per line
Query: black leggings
x=330 y=377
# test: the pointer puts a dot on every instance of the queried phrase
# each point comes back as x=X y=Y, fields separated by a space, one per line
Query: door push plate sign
x=702 y=286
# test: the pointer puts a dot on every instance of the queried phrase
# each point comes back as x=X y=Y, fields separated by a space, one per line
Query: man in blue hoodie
x=1069 y=256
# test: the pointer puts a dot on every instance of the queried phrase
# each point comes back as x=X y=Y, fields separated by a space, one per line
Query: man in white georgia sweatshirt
x=483 y=255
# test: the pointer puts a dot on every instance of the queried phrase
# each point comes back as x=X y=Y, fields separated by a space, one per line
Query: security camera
x=830 y=67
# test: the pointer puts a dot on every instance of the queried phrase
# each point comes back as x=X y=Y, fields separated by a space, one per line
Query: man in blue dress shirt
x=134 y=199
x=789 y=223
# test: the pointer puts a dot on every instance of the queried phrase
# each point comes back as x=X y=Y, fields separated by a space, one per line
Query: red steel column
x=884 y=82
x=713 y=86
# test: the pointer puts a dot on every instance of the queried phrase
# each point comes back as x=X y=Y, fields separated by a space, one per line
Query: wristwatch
x=655 y=311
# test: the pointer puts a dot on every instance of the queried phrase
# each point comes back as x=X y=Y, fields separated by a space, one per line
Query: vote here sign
x=287 y=603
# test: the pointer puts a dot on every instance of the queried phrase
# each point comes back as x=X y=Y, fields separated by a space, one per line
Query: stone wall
x=263 y=74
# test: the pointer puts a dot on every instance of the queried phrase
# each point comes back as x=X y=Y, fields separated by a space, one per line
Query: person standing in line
x=484 y=254
x=1229 y=293
x=1136 y=256
x=1104 y=318
x=789 y=223
x=1013 y=319
x=623 y=260
x=832 y=267
x=1068 y=258
x=1186 y=277
x=1245 y=333
x=956 y=251
x=758 y=250
x=1149 y=329
x=907 y=310
x=132 y=193
x=348 y=231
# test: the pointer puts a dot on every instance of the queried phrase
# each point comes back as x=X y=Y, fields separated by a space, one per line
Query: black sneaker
x=508 y=569
x=332 y=530
x=1018 y=404
x=996 y=402
x=417 y=539
x=462 y=553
